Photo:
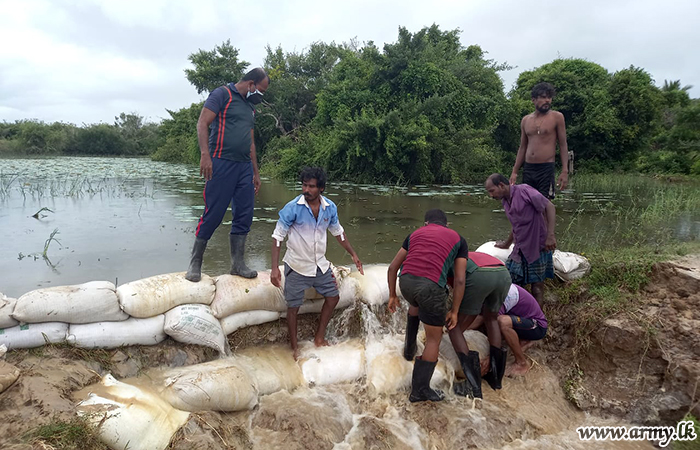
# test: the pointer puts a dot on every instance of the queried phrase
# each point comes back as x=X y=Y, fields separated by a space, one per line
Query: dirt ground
x=642 y=366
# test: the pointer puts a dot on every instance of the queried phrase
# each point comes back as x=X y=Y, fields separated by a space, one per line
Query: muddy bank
x=642 y=364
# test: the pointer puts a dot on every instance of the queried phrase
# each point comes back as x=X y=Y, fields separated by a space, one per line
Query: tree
x=406 y=114
x=215 y=68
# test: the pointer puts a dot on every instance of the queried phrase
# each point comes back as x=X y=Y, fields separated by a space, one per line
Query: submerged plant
x=48 y=242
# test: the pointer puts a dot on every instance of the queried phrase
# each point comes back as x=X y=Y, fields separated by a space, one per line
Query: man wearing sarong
x=539 y=134
x=532 y=217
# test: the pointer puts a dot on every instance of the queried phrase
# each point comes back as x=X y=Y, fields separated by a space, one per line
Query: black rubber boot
x=194 y=272
x=498 y=367
x=238 y=266
x=471 y=387
x=409 y=346
x=420 y=385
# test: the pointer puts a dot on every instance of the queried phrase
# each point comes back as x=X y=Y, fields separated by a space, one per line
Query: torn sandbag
x=30 y=335
x=95 y=301
x=116 y=334
x=128 y=416
x=7 y=307
x=149 y=297
x=195 y=324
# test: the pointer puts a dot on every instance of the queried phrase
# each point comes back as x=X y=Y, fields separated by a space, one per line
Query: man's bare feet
x=518 y=369
x=295 y=353
x=321 y=343
x=524 y=345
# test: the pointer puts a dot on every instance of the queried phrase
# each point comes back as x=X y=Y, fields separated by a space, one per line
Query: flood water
x=122 y=219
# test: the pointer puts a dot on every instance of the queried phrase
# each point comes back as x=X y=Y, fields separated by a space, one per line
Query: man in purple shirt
x=521 y=322
x=532 y=217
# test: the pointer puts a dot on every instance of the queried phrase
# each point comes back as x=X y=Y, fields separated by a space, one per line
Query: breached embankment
x=530 y=412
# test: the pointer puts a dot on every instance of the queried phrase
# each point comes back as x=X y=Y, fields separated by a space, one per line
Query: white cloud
x=87 y=61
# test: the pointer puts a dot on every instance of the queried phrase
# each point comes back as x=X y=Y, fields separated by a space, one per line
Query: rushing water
x=125 y=219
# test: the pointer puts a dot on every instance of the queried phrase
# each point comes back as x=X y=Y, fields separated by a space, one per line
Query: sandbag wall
x=144 y=312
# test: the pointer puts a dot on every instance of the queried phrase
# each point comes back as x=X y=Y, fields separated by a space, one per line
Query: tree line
x=424 y=109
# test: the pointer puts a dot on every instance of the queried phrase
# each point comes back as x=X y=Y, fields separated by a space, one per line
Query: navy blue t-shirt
x=231 y=141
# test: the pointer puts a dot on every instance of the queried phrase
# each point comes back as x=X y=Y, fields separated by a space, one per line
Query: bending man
x=425 y=259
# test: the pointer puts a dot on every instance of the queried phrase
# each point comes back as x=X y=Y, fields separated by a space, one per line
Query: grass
x=60 y=434
x=689 y=445
x=617 y=275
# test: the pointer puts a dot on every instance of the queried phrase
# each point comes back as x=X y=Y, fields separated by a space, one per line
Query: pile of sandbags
x=146 y=311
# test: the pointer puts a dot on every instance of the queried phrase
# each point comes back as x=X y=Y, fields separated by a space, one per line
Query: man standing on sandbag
x=539 y=134
x=305 y=220
x=426 y=258
x=532 y=217
x=229 y=165
x=486 y=286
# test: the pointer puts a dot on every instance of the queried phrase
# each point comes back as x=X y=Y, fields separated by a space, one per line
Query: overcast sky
x=85 y=61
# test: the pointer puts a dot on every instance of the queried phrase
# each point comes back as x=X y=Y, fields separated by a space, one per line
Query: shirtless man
x=539 y=134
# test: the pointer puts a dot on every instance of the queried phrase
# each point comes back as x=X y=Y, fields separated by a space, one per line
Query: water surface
x=122 y=219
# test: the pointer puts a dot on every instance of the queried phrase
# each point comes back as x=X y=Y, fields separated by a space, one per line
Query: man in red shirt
x=425 y=259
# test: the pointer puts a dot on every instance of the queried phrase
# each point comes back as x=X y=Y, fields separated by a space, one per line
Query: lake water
x=124 y=219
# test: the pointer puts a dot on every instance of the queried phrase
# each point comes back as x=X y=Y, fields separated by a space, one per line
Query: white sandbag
x=272 y=368
x=95 y=301
x=236 y=294
x=476 y=341
x=215 y=386
x=373 y=287
x=115 y=334
x=230 y=384
x=32 y=335
x=195 y=324
x=7 y=307
x=155 y=295
x=570 y=266
x=244 y=319
x=332 y=364
x=501 y=253
x=389 y=372
x=130 y=417
x=8 y=375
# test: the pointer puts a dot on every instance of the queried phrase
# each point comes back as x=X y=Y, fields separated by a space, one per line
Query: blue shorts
x=295 y=284
x=527 y=329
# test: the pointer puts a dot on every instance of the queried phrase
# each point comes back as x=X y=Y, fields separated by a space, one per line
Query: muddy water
x=125 y=219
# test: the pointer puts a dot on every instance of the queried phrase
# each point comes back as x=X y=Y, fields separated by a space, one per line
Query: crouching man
x=305 y=220
x=425 y=259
